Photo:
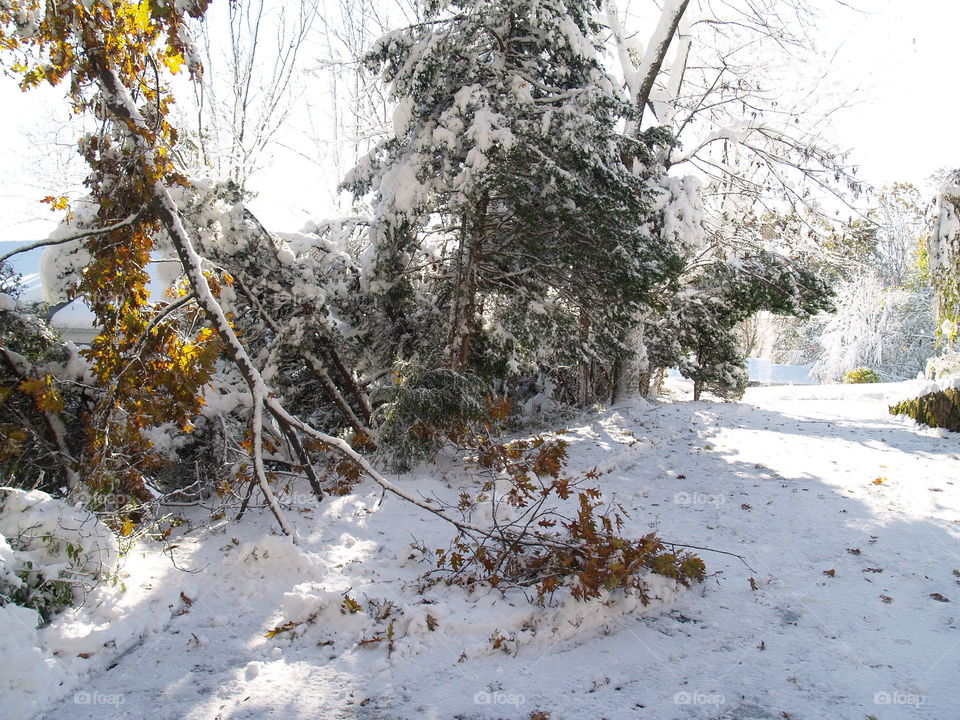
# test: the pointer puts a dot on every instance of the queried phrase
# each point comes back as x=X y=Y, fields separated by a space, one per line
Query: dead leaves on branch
x=551 y=530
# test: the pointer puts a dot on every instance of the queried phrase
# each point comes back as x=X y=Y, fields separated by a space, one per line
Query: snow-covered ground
x=847 y=605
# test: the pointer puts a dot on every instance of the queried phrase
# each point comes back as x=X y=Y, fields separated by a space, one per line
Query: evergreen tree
x=696 y=331
x=505 y=189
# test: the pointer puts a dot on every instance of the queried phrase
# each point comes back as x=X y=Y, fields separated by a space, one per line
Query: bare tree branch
x=126 y=222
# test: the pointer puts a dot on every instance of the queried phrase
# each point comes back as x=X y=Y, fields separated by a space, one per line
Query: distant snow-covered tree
x=252 y=54
x=943 y=256
x=884 y=317
x=887 y=329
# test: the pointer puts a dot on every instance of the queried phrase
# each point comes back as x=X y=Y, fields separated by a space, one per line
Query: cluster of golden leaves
x=53 y=39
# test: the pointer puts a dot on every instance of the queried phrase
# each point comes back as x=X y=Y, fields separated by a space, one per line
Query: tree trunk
x=632 y=367
x=333 y=392
x=657 y=376
x=359 y=396
x=464 y=303
x=583 y=396
x=646 y=380
x=118 y=100
x=656 y=53
x=698 y=385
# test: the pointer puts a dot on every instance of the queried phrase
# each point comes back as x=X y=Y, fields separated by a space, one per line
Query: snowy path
x=784 y=481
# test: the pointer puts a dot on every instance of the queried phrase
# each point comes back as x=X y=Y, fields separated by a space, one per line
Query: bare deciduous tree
x=253 y=62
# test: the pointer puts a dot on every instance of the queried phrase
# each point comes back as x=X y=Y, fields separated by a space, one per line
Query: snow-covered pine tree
x=884 y=317
x=506 y=188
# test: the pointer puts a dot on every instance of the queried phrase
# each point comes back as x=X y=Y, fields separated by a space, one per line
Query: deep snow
x=785 y=479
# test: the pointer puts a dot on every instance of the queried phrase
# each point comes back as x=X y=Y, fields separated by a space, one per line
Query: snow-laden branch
x=630 y=76
x=126 y=222
x=121 y=104
x=656 y=53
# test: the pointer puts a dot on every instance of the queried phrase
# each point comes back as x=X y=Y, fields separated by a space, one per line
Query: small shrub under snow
x=51 y=553
x=861 y=375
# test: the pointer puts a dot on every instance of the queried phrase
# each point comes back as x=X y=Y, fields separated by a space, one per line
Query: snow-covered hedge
x=51 y=553
x=937 y=405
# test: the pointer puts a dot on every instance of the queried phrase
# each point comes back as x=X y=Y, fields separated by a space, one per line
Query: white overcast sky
x=904 y=124
x=903 y=53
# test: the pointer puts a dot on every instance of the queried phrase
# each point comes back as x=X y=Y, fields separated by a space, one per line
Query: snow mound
x=49 y=540
x=917 y=388
x=48 y=549
x=313 y=615
x=28 y=677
